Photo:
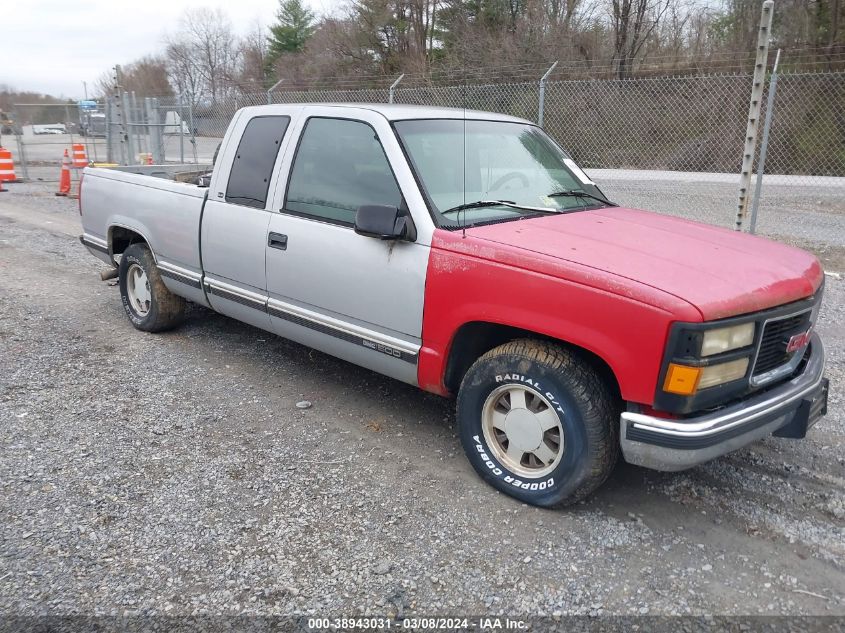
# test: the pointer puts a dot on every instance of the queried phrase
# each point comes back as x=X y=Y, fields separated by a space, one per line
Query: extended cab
x=466 y=253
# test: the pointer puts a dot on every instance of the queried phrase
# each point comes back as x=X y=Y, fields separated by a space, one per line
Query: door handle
x=277 y=240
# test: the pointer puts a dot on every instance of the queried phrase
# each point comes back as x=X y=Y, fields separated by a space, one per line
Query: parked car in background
x=92 y=124
x=49 y=128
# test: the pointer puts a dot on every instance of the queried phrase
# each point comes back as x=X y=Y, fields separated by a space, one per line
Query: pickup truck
x=466 y=253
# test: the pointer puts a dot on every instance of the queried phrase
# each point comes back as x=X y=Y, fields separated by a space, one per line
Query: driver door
x=352 y=296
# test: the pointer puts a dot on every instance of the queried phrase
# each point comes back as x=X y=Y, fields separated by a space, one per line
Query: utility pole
x=764 y=144
x=541 y=105
x=392 y=91
x=763 y=36
x=270 y=91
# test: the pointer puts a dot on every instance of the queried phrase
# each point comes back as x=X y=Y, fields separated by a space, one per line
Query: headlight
x=722 y=373
x=726 y=339
x=697 y=357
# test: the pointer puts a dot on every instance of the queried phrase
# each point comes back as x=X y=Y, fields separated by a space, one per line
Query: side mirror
x=381 y=221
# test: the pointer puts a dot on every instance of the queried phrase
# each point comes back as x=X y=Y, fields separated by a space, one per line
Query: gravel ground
x=174 y=474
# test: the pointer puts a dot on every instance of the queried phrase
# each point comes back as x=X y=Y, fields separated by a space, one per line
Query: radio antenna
x=463 y=224
x=464 y=163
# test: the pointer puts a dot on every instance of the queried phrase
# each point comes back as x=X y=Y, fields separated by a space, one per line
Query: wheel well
x=120 y=238
x=475 y=339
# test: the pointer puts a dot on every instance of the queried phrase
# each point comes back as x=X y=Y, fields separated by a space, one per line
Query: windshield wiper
x=577 y=193
x=479 y=204
x=498 y=203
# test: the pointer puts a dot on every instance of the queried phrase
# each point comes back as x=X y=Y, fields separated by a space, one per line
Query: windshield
x=461 y=162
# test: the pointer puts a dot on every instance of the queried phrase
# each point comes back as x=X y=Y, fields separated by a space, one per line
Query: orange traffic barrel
x=79 y=157
x=7 y=166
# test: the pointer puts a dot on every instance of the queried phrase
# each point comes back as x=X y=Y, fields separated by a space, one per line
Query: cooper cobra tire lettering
x=585 y=406
x=487 y=461
x=498 y=472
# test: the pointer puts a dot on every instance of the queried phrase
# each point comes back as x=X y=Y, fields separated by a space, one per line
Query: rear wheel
x=148 y=303
x=538 y=422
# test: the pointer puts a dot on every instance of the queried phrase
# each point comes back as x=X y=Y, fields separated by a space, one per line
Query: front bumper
x=788 y=410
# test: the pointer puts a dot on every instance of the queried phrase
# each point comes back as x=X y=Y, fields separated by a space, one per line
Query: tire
x=559 y=388
x=164 y=310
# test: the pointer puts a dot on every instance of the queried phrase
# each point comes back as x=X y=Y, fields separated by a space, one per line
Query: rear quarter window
x=252 y=168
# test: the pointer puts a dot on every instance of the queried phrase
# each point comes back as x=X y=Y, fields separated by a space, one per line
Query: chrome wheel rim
x=138 y=289
x=523 y=430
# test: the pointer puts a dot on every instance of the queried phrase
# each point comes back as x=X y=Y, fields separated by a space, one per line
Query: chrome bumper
x=665 y=444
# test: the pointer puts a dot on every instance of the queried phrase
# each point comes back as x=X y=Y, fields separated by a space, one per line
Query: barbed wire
x=793 y=60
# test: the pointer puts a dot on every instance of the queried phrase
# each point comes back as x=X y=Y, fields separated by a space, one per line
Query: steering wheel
x=510 y=176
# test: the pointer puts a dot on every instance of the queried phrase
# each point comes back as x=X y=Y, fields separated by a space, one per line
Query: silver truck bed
x=180 y=172
x=141 y=198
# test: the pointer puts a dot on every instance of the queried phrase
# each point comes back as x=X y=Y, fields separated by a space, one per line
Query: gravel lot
x=173 y=474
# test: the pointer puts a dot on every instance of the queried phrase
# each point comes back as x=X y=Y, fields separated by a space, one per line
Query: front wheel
x=148 y=303
x=538 y=423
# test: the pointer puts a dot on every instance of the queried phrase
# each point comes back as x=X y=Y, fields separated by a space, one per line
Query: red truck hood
x=720 y=272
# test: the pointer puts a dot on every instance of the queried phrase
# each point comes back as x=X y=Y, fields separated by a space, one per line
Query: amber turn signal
x=681 y=379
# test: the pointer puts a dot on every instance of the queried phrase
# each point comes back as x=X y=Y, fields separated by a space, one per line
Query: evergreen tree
x=289 y=35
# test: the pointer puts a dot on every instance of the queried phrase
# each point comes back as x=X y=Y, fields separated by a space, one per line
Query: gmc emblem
x=798 y=341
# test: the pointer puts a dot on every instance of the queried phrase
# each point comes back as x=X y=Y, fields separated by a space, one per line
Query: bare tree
x=184 y=71
x=252 y=69
x=423 y=14
x=147 y=76
x=397 y=35
x=560 y=13
x=633 y=23
x=366 y=41
x=203 y=54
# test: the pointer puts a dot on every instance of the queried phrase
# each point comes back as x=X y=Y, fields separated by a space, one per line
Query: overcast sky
x=52 y=46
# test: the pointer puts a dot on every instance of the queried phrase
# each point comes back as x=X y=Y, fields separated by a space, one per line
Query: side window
x=252 y=168
x=339 y=166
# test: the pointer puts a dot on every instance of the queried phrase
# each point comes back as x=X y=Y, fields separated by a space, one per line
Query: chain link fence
x=41 y=132
x=686 y=123
x=808 y=128
x=627 y=132
x=149 y=130
x=671 y=144
x=674 y=123
x=516 y=99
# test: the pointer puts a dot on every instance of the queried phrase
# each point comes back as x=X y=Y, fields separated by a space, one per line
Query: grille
x=776 y=336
